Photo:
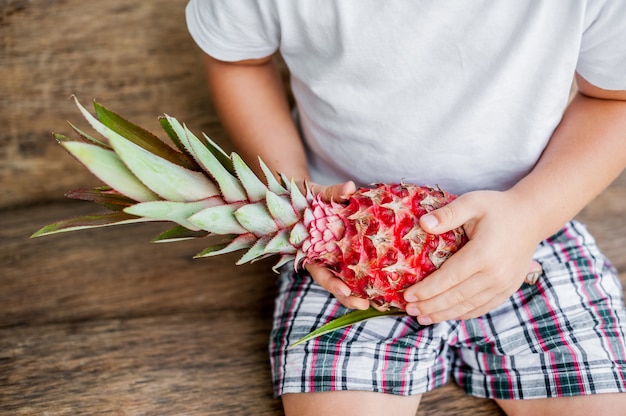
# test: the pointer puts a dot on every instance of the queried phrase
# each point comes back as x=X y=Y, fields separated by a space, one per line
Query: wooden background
x=102 y=322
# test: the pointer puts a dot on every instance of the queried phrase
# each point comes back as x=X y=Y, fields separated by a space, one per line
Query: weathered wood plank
x=115 y=272
x=201 y=364
x=135 y=57
x=102 y=322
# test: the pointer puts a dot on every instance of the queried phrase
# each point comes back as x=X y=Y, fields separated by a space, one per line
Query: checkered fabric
x=563 y=336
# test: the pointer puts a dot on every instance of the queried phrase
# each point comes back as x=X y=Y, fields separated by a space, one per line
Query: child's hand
x=489 y=268
x=322 y=275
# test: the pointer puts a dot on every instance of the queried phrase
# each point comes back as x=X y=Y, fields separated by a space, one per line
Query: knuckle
x=451 y=280
x=446 y=214
x=459 y=298
x=468 y=307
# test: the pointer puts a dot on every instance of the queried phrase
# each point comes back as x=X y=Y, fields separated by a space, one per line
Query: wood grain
x=134 y=57
x=102 y=322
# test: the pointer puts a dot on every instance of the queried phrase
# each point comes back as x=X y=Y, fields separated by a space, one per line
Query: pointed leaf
x=298 y=200
x=105 y=197
x=272 y=183
x=229 y=185
x=218 y=220
x=346 y=320
x=299 y=260
x=299 y=234
x=280 y=244
x=180 y=131
x=219 y=153
x=238 y=243
x=286 y=183
x=169 y=180
x=169 y=130
x=141 y=137
x=256 y=252
x=178 y=233
x=257 y=219
x=87 y=138
x=177 y=212
x=255 y=189
x=88 y=221
x=110 y=169
x=284 y=259
x=281 y=210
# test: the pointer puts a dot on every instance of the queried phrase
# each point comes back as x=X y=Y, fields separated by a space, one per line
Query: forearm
x=252 y=105
x=585 y=154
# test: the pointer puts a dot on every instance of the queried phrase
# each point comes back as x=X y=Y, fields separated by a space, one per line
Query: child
x=471 y=96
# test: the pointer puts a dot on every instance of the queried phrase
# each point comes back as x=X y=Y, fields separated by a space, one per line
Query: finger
x=460 y=298
x=471 y=298
x=463 y=308
x=337 y=192
x=328 y=281
x=337 y=287
x=450 y=216
x=459 y=315
x=452 y=272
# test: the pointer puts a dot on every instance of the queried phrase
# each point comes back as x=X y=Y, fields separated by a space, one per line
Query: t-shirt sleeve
x=602 y=59
x=233 y=30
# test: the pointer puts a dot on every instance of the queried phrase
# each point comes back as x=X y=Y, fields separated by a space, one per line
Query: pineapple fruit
x=373 y=241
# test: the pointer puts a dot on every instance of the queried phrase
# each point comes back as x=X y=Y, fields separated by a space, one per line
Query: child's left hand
x=489 y=268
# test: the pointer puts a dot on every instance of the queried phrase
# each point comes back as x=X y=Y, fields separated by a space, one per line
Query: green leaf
x=178 y=233
x=256 y=218
x=169 y=130
x=284 y=259
x=346 y=320
x=141 y=137
x=256 y=252
x=280 y=244
x=299 y=233
x=218 y=220
x=272 y=182
x=234 y=244
x=218 y=152
x=169 y=180
x=110 y=169
x=298 y=200
x=86 y=222
x=252 y=184
x=230 y=187
x=87 y=138
x=177 y=212
x=105 y=197
x=281 y=209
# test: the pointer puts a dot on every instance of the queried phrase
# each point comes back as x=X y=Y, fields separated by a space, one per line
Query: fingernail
x=409 y=297
x=429 y=220
x=412 y=310
x=344 y=290
x=424 y=320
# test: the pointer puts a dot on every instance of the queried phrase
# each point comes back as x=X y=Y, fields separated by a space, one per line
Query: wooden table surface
x=102 y=322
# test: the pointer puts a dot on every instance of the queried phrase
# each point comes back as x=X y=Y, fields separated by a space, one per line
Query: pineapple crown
x=195 y=185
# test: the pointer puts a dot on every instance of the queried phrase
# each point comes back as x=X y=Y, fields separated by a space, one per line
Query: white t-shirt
x=463 y=94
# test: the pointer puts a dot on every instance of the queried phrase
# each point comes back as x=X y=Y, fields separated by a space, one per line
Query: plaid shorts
x=562 y=336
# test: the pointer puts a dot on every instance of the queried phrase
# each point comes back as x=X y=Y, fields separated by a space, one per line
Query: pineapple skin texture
x=375 y=244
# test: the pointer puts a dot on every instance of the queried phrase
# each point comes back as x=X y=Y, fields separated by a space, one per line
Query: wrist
x=541 y=213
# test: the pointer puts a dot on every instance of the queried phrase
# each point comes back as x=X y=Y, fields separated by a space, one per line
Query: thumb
x=448 y=217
